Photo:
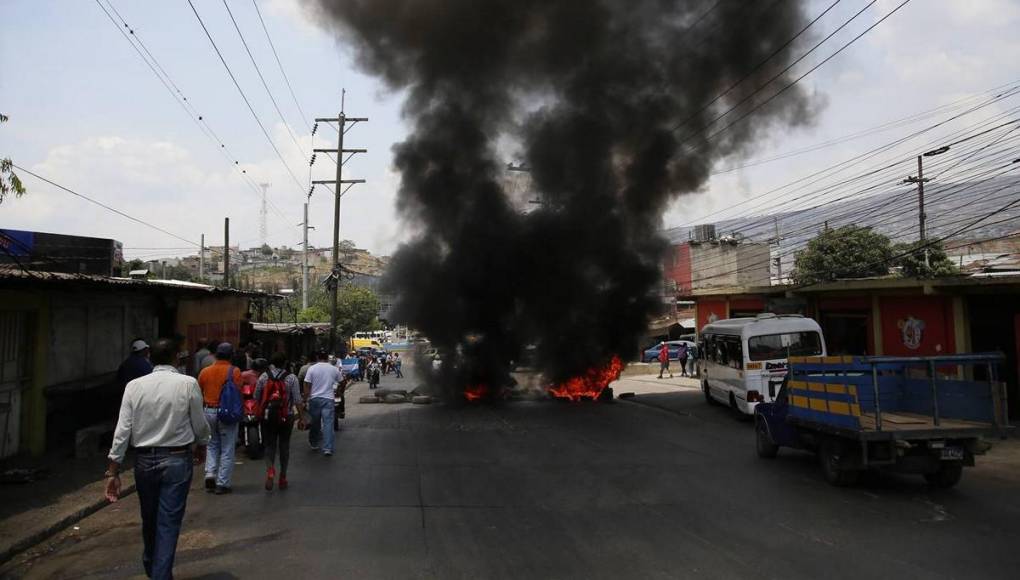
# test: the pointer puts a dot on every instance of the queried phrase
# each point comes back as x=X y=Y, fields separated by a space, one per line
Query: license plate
x=952 y=453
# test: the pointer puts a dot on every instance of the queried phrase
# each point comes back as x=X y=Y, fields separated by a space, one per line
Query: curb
x=7 y=553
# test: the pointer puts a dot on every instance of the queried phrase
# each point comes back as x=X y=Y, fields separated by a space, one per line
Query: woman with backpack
x=280 y=406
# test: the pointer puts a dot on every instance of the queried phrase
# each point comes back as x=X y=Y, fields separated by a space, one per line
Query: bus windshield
x=773 y=346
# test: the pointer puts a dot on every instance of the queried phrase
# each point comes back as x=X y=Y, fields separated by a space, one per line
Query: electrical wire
x=244 y=97
x=258 y=71
x=179 y=96
x=104 y=206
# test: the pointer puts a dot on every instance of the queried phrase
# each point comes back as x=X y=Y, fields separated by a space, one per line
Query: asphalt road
x=556 y=490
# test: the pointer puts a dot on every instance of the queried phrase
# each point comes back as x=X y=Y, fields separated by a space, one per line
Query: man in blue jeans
x=219 y=462
x=161 y=418
x=318 y=392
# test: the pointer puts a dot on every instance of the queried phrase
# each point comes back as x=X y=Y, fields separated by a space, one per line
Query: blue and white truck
x=921 y=415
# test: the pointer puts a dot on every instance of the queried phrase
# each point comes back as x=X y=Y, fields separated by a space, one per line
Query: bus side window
x=734 y=354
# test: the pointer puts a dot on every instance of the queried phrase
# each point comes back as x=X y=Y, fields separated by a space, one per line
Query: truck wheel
x=830 y=455
x=947 y=476
x=763 y=441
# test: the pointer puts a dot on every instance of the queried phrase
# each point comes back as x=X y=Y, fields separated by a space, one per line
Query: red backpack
x=275 y=404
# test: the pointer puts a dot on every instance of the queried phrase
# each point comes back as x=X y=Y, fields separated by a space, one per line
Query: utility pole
x=226 y=252
x=333 y=282
x=304 y=264
x=263 y=215
x=920 y=181
x=779 y=256
x=201 y=261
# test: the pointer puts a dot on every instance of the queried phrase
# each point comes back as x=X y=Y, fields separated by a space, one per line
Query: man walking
x=135 y=365
x=664 y=360
x=318 y=392
x=219 y=462
x=161 y=417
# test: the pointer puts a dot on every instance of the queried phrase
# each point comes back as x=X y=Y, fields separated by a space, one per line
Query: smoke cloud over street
x=610 y=105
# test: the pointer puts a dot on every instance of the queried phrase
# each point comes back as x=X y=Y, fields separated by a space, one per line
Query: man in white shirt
x=318 y=393
x=161 y=417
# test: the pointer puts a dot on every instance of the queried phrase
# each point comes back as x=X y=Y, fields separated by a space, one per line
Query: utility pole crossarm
x=340 y=150
x=333 y=181
x=338 y=119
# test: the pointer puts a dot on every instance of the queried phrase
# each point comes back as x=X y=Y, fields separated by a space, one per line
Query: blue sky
x=86 y=112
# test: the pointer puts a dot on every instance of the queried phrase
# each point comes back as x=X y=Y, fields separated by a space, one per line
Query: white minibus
x=743 y=360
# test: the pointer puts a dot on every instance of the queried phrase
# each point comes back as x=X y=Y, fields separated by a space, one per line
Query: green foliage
x=313 y=314
x=135 y=264
x=9 y=181
x=265 y=250
x=357 y=308
x=912 y=264
x=845 y=252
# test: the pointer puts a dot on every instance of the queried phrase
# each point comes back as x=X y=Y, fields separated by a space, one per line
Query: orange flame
x=476 y=392
x=589 y=385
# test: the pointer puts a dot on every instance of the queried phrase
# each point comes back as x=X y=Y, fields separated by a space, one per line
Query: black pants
x=277 y=434
x=683 y=365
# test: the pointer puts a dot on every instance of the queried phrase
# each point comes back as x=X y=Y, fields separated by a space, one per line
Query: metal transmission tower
x=263 y=214
x=333 y=281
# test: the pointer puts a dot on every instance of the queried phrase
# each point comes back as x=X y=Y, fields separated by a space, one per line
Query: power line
x=809 y=71
x=104 y=206
x=844 y=164
x=167 y=81
x=278 y=63
x=762 y=63
x=262 y=78
x=245 y=98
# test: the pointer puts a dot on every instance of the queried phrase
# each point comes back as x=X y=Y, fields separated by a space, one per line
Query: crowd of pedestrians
x=178 y=411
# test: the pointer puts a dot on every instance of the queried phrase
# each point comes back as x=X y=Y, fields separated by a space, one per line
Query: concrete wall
x=726 y=265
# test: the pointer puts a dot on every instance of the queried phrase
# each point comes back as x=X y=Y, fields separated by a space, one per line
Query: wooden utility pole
x=920 y=181
x=304 y=263
x=201 y=261
x=333 y=281
x=226 y=252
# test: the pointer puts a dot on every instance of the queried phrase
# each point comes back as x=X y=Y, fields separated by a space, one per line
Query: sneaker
x=283 y=482
x=222 y=490
x=314 y=447
x=328 y=453
x=210 y=484
x=270 y=474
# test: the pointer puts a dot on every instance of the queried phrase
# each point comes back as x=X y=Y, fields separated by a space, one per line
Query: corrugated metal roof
x=17 y=277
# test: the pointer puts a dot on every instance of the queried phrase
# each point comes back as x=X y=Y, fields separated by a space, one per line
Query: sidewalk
x=66 y=491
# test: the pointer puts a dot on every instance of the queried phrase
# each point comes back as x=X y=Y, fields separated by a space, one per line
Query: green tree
x=845 y=252
x=265 y=250
x=313 y=314
x=912 y=264
x=357 y=309
x=9 y=181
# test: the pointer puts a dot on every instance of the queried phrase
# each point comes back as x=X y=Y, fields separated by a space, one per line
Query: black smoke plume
x=604 y=101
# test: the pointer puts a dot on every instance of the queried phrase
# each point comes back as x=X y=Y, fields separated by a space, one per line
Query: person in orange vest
x=664 y=360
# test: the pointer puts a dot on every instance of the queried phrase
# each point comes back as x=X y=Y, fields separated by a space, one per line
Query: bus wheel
x=708 y=395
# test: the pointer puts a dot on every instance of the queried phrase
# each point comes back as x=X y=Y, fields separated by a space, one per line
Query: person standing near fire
x=664 y=360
